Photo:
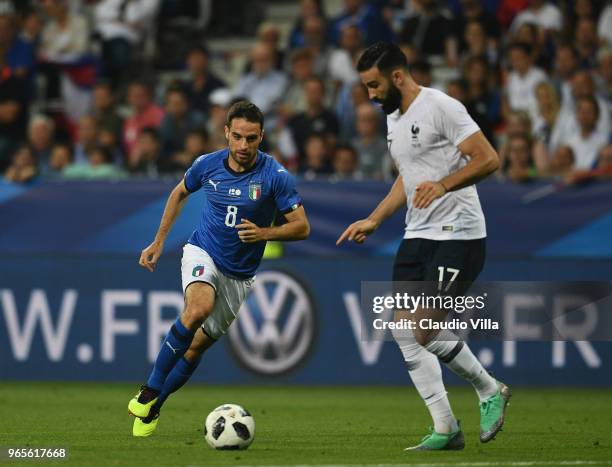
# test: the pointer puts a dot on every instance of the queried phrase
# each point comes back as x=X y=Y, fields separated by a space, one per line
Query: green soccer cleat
x=141 y=403
x=440 y=442
x=145 y=426
x=492 y=413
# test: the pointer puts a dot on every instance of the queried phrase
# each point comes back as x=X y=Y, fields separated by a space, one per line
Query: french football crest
x=254 y=191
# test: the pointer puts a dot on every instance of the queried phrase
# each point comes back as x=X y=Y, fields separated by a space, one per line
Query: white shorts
x=198 y=266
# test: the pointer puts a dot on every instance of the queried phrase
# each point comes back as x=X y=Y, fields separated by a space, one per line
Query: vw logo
x=276 y=325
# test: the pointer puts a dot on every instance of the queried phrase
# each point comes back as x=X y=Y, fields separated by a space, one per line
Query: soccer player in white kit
x=440 y=154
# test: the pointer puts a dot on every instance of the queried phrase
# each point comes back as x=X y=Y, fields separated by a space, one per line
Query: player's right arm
x=174 y=205
x=395 y=199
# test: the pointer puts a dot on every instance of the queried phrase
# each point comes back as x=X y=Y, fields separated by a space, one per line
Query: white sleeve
x=454 y=121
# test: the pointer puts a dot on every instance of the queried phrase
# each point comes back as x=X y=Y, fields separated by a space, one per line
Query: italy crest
x=254 y=191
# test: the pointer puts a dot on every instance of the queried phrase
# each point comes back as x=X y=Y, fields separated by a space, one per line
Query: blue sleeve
x=286 y=196
x=194 y=177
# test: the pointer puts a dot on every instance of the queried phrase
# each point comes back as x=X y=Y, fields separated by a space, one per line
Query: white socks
x=426 y=375
x=453 y=352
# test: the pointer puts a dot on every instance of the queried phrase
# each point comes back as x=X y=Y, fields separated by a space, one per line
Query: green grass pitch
x=304 y=425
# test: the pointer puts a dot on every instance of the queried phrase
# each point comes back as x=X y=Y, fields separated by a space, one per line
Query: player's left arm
x=296 y=228
x=483 y=161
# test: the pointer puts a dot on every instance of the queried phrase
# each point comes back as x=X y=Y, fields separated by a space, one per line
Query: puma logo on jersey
x=213 y=184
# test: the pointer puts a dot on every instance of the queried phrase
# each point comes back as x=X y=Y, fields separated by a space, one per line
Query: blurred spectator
x=542 y=13
x=518 y=123
x=99 y=167
x=603 y=78
x=307 y=8
x=178 y=121
x=602 y=170
x=145 y=156
x=87 y=139
x=31 y=28
x=317 y=118
x=302 y=68
x=566 y=64
x=41 y=134
x=23 y=167
x=528 y=35
x=522 y=80
x=104 y=111
x=268 y=33
x=122 y=26
x=342 y=61
x=13 y=110
x=264 y=86
x=202 y=81
x=196 y=144
x=476 y=43
x=220 y=101
x=421 y=73
x=316 y=162
x=144 y=113
x=562 y=162
x=585 y=41
x=585 y=141
x=315 y=40
x=65 y=36
x=546 y=117
x=370 y=144
x=473 y=11
x=431 y=32
x=582 y=87
x=520 y=163
x=345 y=163
x=367 y=16
x=20 y=53
x=604 y=26
x=458 y=89
x=349 y=98
x=482 y=93
x=61 y=157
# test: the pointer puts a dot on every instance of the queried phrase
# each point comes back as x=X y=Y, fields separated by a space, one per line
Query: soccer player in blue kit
x=244 y=187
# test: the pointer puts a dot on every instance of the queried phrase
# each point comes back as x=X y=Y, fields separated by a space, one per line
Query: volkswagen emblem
x=276 y=325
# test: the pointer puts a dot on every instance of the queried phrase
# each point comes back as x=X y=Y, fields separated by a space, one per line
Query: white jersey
x=423 y=143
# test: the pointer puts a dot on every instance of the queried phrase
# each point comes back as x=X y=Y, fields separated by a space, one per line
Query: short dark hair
x=177 y=89
x=247 y=110
x=383 y=55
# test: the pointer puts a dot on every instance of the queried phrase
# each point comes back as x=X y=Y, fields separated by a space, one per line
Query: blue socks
x=172 y=349
x=179 y=375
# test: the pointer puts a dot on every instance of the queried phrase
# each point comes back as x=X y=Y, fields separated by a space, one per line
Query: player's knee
x=196 y=311
x=422 y=336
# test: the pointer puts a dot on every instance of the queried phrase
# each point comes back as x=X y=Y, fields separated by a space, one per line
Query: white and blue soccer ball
x=229 y=426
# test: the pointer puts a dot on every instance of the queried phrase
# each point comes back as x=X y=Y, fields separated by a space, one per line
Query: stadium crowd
x=82 y=94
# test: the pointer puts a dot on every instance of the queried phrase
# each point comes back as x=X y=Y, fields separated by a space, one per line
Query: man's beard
x=242 y=162
x=392 y=102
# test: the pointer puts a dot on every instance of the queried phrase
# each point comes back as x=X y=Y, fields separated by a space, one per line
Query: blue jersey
x=231 y=196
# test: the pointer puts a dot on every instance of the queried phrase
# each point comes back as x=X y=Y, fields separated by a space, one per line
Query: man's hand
x=150 y=255
x=426 y=193
x=358 y=231
x=250 y=233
